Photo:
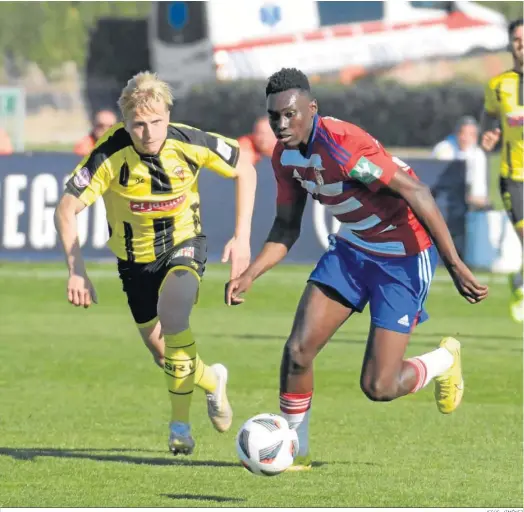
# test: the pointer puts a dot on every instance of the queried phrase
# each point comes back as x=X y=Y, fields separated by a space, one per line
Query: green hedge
x=394 y=114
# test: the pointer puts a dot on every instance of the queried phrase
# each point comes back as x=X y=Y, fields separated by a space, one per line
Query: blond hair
x=141 y=91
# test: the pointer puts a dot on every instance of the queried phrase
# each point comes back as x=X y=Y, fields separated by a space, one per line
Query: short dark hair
x=285 y=79
x=513 y=25
x=466 y=121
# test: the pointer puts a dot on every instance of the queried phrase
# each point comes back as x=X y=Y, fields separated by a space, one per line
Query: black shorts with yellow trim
x=142 y=282
x=512 y=197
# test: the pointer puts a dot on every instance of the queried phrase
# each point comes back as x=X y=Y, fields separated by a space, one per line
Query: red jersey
x=347 y=170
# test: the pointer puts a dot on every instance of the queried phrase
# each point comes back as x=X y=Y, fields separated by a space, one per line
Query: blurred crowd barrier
x=31 y=184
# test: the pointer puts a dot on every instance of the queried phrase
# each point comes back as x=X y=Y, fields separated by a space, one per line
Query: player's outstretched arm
x=283 y=235
x=238 y=249
x=421 y=201
x=80 y=291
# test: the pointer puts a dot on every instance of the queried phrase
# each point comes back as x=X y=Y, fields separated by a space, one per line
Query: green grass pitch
x=84 y=411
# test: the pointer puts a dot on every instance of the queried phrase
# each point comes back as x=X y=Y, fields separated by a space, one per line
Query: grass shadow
x=202 y=497
x=106 y=455
x=430 y=340
x=349 y=463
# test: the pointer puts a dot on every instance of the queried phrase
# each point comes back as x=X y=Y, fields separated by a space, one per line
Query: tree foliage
x=512 y=10
x=50 y=33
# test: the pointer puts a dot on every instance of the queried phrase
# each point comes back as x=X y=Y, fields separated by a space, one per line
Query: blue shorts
x=396 y=288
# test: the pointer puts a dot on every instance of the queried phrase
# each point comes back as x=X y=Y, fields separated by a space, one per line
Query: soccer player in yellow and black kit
x=504 y=110
x=146 y=169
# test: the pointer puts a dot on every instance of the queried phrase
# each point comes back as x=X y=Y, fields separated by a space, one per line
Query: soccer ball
x=266 y=445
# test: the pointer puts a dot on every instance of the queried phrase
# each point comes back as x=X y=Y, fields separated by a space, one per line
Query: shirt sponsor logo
x=316 y=163
x=318 y=176
x=158 y=206
x=366 y=171
x=82 y=178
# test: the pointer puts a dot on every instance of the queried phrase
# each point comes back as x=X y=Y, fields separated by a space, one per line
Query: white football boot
x=218 y=407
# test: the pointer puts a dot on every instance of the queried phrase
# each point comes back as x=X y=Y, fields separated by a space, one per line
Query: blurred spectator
x=6 y=148
x=463 y=145
x=104 y=119
x=260 y=143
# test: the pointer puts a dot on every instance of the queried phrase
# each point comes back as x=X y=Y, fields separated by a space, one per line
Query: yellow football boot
x=516 y=304
x=301 y=463
x=449 y=387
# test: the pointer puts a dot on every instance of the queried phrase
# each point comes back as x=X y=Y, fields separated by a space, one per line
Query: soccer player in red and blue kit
x=384 y=254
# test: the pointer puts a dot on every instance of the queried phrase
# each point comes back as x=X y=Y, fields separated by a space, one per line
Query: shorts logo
x=224 y=150
x=185 y=252
x=404 y=321
x=159 y=206
x=82 y=178
x=365 y=171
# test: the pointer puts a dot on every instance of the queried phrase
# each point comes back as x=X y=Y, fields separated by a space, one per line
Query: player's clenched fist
x=490 y=139
x=80 y=291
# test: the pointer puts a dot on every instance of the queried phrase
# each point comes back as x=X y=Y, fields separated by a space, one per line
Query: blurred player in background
x=504 y=113
x=147 y=171
x=104 y=119
x=6 y=148
x=260 y=143
x=463 y=145
x=383 y=255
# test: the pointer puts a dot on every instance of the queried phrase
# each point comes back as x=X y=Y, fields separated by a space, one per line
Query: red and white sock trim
x=421 y=372
x=295 y=403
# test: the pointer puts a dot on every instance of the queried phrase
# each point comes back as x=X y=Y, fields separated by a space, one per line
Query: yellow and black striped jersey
x=152 y=202
x=503 y=99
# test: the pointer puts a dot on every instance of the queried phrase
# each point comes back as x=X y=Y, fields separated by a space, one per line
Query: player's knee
x=300 y=359
x=176 y=300
x=378 y=390
x=174 y=316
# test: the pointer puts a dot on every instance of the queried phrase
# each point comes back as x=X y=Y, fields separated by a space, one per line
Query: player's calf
x=385 y=375
x=296 y=409
x=296 y=394
x=378 y=389
x=151 y=334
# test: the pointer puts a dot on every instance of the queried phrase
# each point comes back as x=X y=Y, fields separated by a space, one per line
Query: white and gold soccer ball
x=266 y=445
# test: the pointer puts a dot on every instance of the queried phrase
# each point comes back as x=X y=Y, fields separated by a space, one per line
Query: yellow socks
x=184 y=369
x=179 y=368
x=205 y=377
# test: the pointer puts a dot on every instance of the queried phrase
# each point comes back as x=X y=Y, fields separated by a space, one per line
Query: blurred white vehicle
x=194 y=42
